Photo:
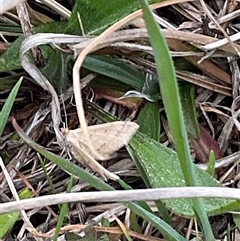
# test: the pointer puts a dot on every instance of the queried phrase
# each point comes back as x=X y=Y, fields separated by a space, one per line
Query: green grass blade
x=140 y=203
x=160 y=224
x=186 y=91
x=49 y=179
x=170 y=95
x=149 y=120
x=173 y=108
x=211 y=163
x=96 y=16
x=63 y=211
x=115 y=69
x=4 y=114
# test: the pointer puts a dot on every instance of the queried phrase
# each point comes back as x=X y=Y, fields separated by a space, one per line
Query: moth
x=106 y=139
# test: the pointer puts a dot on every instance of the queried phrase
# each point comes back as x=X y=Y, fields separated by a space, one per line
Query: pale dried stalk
x=122 y=196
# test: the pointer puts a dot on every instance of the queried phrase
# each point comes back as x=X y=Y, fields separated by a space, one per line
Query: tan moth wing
x=85 y=158
x=106 y=138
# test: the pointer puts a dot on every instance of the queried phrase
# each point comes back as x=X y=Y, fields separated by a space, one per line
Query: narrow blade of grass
x=63 y=211
x=173 y=108
x=4 y=114
x=211 y=163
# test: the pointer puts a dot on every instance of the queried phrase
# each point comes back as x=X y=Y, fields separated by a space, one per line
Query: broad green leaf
x=7 y=220
x=52 y=27
x=186 y=91
x=100 y=81
x=90 y=233
x=162 y=169
x=144 y=175
x=115 y=69
x=105 y=222
x=10 y=59
x=4 y=114
x=149 y=120
x=96 y=16
x=104 y=237
x=58 y=65
x=57 y=68
x=7 y=83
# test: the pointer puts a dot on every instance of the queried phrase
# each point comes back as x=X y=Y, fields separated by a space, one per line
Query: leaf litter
x=216 y=81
